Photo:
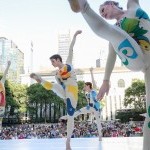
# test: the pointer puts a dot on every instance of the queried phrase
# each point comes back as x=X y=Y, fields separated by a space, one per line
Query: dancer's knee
x=47 y=85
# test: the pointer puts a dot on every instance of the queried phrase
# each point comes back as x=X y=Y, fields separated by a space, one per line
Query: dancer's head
x=56 y=60
x=87 y=86
x=109 y=9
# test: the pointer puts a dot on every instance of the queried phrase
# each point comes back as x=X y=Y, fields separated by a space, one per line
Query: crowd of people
x=81 y=129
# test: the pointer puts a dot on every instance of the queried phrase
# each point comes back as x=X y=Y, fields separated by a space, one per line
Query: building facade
x=63 y=45
x=10 y=51
x=121 y=79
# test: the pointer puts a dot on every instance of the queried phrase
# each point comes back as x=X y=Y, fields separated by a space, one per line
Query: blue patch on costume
x=94 y=96
x=68 y=68
x=125 y=45
x=87 y=107
x=61 y=83
x=70 y=109
x=97 y=106
x=141 y=14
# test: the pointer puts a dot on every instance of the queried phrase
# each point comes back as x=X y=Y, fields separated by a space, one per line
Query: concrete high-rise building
x=98 y=63
x=64 y=44
x=10 y=51
x=103 y=56
x=101 y=61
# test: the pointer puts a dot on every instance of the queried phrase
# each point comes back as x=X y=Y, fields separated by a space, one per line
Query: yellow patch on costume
x=2 y=88
x=103 y=103
x=47 y=85
x=74 y=90
x=144 y=45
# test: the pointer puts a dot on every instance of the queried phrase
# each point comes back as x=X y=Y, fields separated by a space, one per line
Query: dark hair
x=56 y=56
x=110 y=2
x=89 y=84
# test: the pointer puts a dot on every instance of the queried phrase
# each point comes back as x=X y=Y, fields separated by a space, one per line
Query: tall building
x=101 y=61
x=10 y=51
x=98 y=63
x=64 y=44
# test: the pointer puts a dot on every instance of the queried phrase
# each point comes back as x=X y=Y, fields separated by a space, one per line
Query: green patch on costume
x=132 y=27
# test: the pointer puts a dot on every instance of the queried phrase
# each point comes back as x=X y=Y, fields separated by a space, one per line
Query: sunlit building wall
x=121 y=79
x=10 y=51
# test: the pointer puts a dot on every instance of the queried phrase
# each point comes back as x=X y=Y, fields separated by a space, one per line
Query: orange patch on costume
x=2 y=95
x=64 y=74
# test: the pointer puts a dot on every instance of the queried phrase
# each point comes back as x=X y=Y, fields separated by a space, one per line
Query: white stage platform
x=131 y=143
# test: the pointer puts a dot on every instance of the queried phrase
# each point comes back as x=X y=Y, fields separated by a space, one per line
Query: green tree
x=39 y=98
x=15 y=101
x=20 y=98
x=81 y=95
x=135 y=96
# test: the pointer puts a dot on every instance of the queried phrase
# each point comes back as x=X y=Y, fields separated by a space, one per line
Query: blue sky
x=40 y=21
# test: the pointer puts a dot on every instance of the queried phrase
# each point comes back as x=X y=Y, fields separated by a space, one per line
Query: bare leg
x=1 y=119
x=71 y=101
x=83 y=110
x=98 y=122
x=56 y=88
x=146 y=129
x=70 y=127
x=125 y=46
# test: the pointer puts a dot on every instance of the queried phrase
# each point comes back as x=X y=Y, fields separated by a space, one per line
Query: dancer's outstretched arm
x=92 y=77
x=70 y=55
x=111 y=59
x=5 y=72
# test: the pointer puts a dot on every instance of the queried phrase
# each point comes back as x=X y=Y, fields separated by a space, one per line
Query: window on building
x=121 y=83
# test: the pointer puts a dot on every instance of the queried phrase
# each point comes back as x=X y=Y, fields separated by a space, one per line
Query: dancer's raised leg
x=56 y=88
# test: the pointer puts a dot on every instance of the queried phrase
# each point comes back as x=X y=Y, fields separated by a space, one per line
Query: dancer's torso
x=66 y=76
x=137 y=24
x=92 y=99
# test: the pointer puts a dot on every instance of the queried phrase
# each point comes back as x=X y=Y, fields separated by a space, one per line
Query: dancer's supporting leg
x=70 y=95
x=125 y=46
x=90 y=110
x=71 y=101
x=146 y=130
x=2 y=111
x=98 y=122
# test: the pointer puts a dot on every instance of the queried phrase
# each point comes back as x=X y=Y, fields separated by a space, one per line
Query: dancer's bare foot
x=36 y=77
x=68 y=147
x=77 y=5
x=64 y=117
x=74 y=4
x=100 y=138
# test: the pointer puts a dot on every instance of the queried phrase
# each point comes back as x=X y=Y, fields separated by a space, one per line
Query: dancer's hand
x=9 y=63
x=78 y=32
x=91 y=69
x=104 y=89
